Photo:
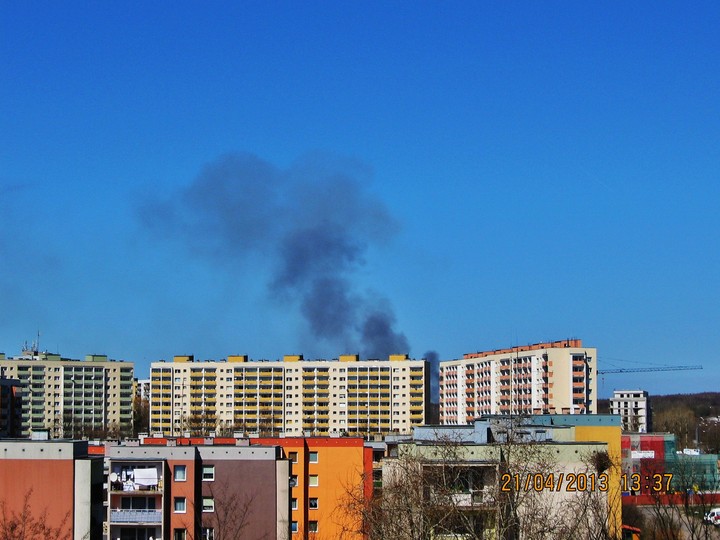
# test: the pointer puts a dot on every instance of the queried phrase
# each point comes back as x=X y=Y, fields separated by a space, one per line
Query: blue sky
x=463 y=176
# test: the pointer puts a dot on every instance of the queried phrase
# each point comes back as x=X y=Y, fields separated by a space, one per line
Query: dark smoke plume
x=434 y=359
x=313 y=222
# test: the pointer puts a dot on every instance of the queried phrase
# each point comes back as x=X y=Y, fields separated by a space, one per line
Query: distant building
x=57 y=484
x=72 y=398
x=294 y=397
x=545 y=378
x=633 y=407
x=142 y=389
x=10 y=407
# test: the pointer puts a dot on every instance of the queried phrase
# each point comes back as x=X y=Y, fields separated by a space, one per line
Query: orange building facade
x=325 y=474
x=56 y=482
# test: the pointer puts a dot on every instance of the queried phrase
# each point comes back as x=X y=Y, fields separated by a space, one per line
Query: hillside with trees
x=689 y=416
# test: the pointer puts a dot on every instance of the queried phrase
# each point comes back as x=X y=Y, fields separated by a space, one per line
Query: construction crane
x=639 y=370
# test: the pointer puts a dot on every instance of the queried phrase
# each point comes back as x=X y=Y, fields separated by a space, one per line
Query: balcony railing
x=135 y=516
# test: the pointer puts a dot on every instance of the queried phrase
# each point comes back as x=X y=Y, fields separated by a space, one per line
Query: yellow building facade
x=293 y=397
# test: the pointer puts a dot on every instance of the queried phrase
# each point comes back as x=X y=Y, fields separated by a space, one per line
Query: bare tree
x=225 y=512
x=233 y=513
x=515 y=487
x=27 y=525
x=677 y=513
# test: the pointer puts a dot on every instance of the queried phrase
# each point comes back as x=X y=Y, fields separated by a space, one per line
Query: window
x=293 y=457
x=208 y=504
x=180 y=505
x=180 y=473
x=293 y=504
x=294 y=526
x=208 y=473
x=293 y=480
x=313 y=503
x=207 y=533
x=313 y=526
x=179 y=534
x=313 y=480
x=313 y=457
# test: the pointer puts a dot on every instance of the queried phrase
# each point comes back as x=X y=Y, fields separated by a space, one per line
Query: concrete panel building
x=197 y=492
x=72 y=398
x=633 y=407
x=550 y=377
x=294 y=397
x=325 y=471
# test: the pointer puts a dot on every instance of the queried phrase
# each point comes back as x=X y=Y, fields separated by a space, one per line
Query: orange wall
x=51 y=483
x=182 y=489
x=343 y=464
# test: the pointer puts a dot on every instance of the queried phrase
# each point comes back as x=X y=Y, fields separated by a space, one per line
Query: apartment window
x=293 y=504
x=313 y=526
x=208 y=504
x=179 y=534
x=313 y=503
x=293 y=480
x=313 y=480
x=208 y=473
x=313 y=457
x=207 y=533
x=180 y=505
x=293 y=457
x=180 y=473
x=294 y=526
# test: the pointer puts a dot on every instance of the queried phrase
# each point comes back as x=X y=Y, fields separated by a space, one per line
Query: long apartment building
x=292 y=397
x=72 y=398
x=549 y=377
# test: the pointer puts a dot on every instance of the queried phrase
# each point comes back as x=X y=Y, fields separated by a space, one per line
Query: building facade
x=550 y=377
x=633 y=407
x=294 y=397
x=197 y=492
x=72 y=398
x=53 y=488
x=10 y=407
x=325 y=473
x=535 y=459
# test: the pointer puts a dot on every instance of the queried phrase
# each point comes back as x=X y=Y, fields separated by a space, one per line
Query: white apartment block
x=633 y=407
x=72 y=398
x=550 y=377
x=293 y=397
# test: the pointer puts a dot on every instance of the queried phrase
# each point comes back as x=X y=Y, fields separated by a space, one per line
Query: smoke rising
x=434 y=359
x=312 y=224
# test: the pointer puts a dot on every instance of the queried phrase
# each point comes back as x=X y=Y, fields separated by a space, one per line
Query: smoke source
x=312 y=223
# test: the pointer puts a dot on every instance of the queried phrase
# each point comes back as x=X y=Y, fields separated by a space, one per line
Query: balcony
x=135 y=516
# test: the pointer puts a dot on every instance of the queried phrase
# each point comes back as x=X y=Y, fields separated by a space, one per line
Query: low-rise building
x=197 y=492
x=52 y=487
x=327 y=475
x=506 y=477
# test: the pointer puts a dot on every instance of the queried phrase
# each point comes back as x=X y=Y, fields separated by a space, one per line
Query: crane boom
x=639 y=370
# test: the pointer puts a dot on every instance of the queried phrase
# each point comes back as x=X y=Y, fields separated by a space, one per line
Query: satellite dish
x=113 y=477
